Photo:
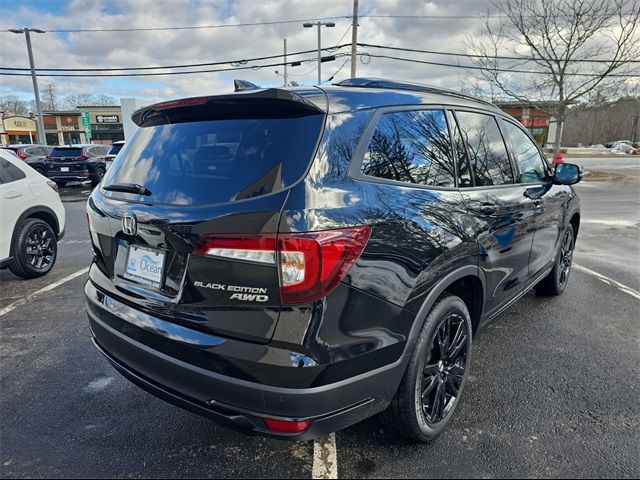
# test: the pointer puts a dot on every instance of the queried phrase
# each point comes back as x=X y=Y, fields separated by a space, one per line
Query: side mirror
x=567 y=174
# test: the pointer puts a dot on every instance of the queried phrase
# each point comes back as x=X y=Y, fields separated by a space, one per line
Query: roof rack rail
x=369 y=82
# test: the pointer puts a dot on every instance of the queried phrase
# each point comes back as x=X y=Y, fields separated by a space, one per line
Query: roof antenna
x=240 y=85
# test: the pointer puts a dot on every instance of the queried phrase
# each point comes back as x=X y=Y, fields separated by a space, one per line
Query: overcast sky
x=128 y=49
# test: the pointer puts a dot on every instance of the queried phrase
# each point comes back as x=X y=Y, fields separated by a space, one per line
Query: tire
x=34 y=250
x=95 y=180
x=556 y=281
x=411 y=415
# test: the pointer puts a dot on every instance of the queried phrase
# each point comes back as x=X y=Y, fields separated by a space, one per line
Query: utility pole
x=319 y=25
x=42 y=138
x=285 y=62
x=354 y=38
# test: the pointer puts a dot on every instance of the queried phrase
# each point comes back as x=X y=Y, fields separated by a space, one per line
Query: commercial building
x=18 y=129
x=537 y=121
x=63 y=127
x=105 y=124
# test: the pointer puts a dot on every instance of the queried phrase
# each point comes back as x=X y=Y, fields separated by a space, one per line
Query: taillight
x=310 y=265
x=83 y=157
x=48 y=158
x=53 y=185
x=21 y=154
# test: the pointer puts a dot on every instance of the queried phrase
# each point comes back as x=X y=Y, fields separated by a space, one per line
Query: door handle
x=485 y=208
x=12 y=194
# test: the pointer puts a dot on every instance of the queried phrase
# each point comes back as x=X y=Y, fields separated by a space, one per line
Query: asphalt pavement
x=553 y=391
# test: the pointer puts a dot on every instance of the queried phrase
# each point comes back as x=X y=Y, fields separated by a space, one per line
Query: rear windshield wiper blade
x=128 y=188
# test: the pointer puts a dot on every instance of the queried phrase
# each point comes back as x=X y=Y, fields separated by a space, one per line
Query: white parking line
x=611 y=223
x=27 y=299
x=325 y=457
x=608 y=280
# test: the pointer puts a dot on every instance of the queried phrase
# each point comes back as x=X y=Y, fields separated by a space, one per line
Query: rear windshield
x=199 y=163
x=115 y=149
x=66 y=152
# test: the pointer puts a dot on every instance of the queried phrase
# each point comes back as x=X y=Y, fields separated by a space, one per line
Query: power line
x=93 y=75
x=505 y=70
x=208 y=64
x=469 y=55
x=189 y=27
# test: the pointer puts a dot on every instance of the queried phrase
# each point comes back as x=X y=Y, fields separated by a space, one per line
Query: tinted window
x=215 y=161
x=530 y=163
x=411 y=147
x=485 y=148
x=115 y=149
x=9 y=172
x=464 y=169
x=66 y=152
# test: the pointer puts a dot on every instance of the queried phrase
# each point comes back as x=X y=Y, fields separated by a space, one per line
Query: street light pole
x=42 y=138
x=319 y=25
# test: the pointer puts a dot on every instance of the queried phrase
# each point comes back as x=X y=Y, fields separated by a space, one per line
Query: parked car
x=292 y=261
x=9 y=151
x=113 y=151
x=32 y=219
x=77 y=163
x=34 y=155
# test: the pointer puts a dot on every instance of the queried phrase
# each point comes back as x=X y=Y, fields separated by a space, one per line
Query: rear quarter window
x=9 y=172
x=214 y=161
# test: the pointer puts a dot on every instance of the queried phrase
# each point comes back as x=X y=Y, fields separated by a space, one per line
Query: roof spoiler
x=254 y=102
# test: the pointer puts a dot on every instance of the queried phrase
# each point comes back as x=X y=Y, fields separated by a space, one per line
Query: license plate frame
x=64 y=169
x=145 y=265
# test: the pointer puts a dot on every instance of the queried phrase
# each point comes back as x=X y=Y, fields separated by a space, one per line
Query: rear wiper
x=128 y=188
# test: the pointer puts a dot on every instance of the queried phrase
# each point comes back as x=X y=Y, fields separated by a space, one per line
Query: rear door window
x=485 y=148
x=530 y=163
x=206 y=162
x=412 y=147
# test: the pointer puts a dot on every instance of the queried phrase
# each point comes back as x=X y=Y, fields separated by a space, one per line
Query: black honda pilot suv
x=292 y=261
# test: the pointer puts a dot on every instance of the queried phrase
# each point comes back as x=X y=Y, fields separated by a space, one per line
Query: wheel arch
x=575 y=223
x=467 y=282
x=42 y=213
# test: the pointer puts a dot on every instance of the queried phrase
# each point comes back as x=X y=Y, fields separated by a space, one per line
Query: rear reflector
x=284 y=426
x=310 y=264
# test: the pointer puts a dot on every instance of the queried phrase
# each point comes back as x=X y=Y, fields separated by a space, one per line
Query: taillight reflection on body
x=310 y=264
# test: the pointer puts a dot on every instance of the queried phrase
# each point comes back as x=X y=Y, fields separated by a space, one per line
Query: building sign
x=86 y=124
x=107 y=119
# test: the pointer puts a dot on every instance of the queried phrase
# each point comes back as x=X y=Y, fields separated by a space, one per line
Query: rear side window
x=205 y=162
x=485 y=148
x=530 y=163
x=66 y=152
x=115 y=149
x=9 y=172
x=412 y=147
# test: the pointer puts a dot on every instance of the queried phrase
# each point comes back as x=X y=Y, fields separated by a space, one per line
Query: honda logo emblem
x=129 y=224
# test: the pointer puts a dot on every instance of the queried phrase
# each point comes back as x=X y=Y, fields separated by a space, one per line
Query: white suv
x=32 y=218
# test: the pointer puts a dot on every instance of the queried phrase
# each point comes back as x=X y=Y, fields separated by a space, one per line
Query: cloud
x=126 y=49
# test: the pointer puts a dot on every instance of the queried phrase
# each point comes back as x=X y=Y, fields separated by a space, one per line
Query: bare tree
x=575 y=47
x=49 y=100
x=72 y=101
x=13 y=105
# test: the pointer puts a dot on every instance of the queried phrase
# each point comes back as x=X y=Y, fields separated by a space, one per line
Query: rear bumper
x=229 y=400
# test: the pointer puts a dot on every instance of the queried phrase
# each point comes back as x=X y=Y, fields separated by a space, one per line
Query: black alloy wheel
x=34 y=250
x=556 y=281
x=436 y=374
x=565 y=259
x=445 y=368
